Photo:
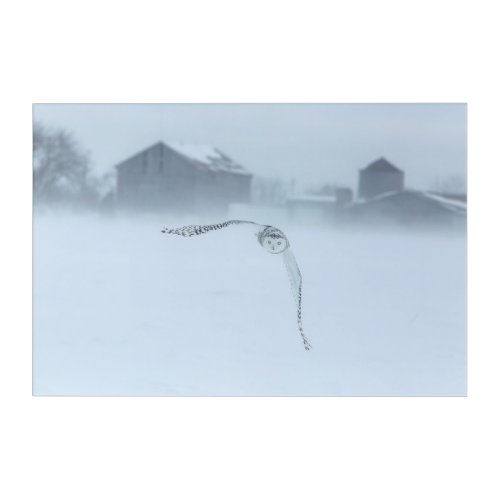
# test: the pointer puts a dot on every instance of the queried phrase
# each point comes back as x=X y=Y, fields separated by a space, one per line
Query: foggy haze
x=313 y=143
x=120 y=308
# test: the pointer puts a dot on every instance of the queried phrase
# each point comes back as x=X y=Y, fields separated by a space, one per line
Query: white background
x=222 y=51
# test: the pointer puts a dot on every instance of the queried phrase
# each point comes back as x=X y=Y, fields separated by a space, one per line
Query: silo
x=380 y=177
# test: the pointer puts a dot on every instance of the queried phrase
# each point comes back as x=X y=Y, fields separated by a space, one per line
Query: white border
x=223 y=51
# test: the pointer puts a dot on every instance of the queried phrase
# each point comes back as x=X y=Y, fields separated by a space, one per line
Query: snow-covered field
x=122 y=309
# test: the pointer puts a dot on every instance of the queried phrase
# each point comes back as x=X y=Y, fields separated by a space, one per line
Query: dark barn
x=380 y=177
x=182 y=178
x=409 y=208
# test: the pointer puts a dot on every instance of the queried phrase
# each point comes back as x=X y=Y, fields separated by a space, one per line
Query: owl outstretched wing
x=295 y=278
x=197 y=230
x=267 y=236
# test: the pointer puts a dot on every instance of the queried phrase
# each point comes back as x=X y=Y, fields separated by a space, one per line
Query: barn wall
x=235 y=188
x=155 y=179
x=161 y=179
x=374 y=183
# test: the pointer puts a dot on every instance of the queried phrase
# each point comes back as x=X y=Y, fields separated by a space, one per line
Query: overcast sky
x=313 y=143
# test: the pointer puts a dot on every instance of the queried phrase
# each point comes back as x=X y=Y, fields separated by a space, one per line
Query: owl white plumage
x=274 y=241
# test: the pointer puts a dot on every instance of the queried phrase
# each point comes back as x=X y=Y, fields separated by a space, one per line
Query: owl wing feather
x=289 y=259
x=195 y=230
x=295 y=278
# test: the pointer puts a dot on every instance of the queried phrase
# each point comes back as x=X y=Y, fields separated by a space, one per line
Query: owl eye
x=269 y=241
x=279 y=242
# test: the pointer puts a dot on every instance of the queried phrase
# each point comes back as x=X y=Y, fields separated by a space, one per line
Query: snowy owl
x=274 y=241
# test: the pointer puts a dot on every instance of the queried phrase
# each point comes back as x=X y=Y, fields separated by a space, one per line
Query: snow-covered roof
x=458 y=207
x=451 y=204
x=209 y=156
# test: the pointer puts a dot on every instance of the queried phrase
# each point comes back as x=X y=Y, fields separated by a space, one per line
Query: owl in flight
x=274 y=241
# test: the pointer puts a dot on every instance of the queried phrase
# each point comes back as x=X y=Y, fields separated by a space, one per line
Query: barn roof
x=205 y=157
x=382 y=165
x=451 y=204
x=457 y=207
x=210 y=157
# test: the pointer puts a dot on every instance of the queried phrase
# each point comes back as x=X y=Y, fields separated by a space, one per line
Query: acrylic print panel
x=359 y=248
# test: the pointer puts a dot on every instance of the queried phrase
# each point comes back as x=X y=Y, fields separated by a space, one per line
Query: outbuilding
x=181 y=178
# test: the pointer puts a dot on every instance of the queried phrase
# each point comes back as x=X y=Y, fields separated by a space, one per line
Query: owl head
x=273 y=240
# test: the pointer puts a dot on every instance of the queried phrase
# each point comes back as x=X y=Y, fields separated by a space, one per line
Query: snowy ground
x=121 y=309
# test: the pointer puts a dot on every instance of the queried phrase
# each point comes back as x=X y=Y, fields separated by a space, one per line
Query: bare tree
x=452 y=184
x=269 y=191
x=61 y=172
x=324 y=190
